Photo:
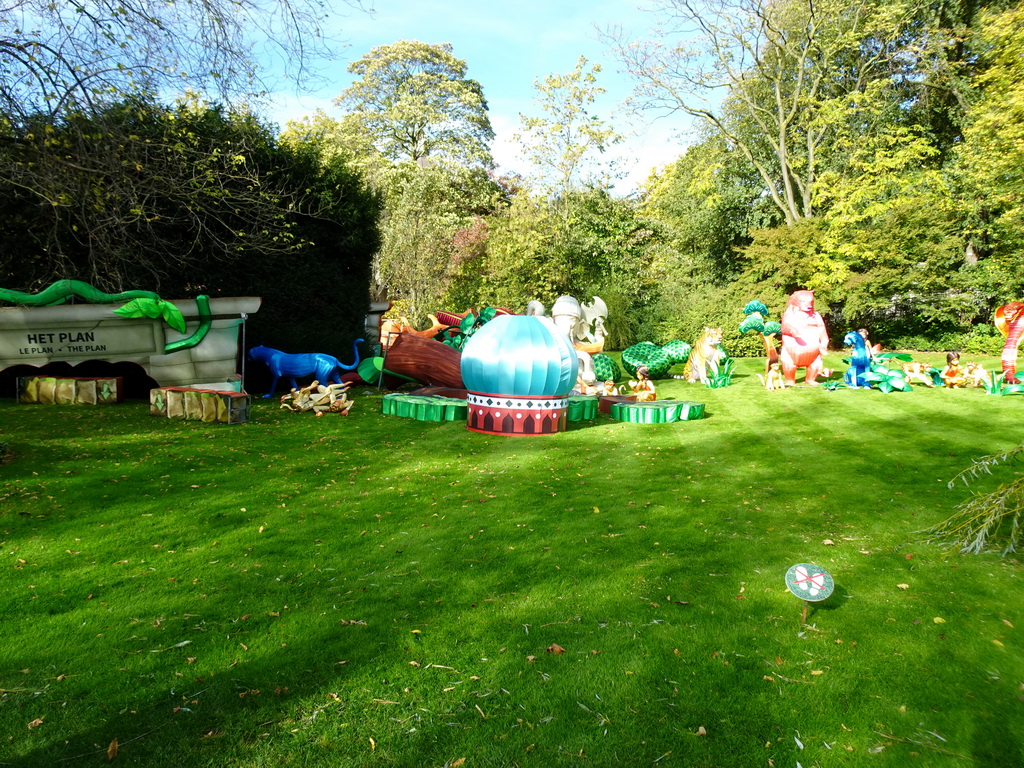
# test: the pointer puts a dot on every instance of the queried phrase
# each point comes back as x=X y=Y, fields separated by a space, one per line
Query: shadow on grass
x=995 y=742
x=834 y=602
x=346 y=581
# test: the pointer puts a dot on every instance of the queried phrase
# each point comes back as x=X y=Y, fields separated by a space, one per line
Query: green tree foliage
x=893 y=240
x=608 y=250
x=793 y=72
x=419 y=128
x=516 y=268
x=137 y=192
x=562 y=140
x=849 y=120
x=426 y=209
x=589 y=244
x=991 y=159
x=887 y=246
x=184 y=200
x=413 y=101
x=709 y=200
x=568 y=235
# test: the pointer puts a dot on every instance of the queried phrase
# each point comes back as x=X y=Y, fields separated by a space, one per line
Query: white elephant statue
x=584 y=324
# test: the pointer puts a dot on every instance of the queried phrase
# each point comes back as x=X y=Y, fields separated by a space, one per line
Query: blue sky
x=506 y=46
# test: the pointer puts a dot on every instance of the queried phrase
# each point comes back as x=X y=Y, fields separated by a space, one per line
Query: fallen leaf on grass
x=903 y=586
x=702 y=731
x=112 y=750
x=457 y=763
x=373 y=745
x=939 y=620
x=555 y=648
x=828 y=543
x=35 y=723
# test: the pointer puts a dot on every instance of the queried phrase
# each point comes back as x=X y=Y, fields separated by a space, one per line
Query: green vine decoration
x=62 y=290
x=205 y=321
x=140 y=304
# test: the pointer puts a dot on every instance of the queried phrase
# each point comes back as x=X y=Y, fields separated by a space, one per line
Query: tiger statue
x=705 y=356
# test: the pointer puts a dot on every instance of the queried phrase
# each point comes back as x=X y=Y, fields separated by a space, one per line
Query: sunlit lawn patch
x=372 y=590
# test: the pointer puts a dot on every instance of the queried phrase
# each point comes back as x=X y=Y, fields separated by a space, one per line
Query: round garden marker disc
x=809 y=582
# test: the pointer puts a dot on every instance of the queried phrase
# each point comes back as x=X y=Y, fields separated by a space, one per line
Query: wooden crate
x=208 y=405
x=62 y=390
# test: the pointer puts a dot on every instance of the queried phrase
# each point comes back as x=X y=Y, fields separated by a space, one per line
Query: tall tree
x=790 y=75
x=425 y=210
x=709 y=200
x=414 y=101
x=991 y=158
x=564 y=141
x=58 y=57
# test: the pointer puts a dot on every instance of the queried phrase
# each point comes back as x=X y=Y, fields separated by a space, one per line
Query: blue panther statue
x=324 y=368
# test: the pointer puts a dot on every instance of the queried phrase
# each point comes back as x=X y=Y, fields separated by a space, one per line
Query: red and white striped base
x=504 y=415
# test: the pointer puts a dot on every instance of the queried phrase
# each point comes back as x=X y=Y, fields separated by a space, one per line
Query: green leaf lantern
x=886 y=379
x=154 y=308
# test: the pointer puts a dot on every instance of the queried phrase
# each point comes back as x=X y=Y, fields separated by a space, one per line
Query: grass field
x=374 y=591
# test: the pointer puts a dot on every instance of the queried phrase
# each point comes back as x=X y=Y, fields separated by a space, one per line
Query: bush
x=686 y=318
x=979 y=340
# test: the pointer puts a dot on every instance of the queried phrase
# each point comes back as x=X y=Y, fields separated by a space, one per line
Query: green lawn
x=374 y=591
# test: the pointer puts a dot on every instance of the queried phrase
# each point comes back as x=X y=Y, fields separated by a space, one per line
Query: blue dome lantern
x=519 y=371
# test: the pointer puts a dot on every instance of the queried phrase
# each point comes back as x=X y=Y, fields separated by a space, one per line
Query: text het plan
x=77 y=341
